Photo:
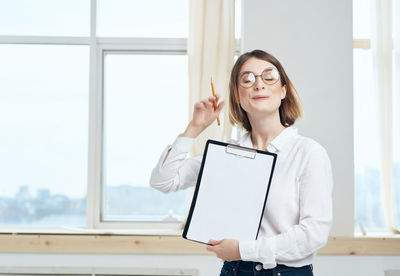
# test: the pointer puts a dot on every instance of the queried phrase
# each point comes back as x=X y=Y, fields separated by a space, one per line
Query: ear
x=283 y=92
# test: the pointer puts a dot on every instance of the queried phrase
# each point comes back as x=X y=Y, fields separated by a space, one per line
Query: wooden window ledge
x=168 y=244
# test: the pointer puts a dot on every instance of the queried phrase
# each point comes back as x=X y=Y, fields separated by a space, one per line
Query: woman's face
x=261 y=98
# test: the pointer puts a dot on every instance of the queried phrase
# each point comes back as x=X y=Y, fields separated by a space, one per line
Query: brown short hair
x=290 y=108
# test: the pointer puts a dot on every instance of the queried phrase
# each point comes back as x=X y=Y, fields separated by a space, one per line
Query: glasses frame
x=255 y=77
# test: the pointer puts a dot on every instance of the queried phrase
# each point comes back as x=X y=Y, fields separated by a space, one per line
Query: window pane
x=362 y=19
x=44 y=126
x=45 y=17
x=146 y=107
x=368 y=193
x=152 y=18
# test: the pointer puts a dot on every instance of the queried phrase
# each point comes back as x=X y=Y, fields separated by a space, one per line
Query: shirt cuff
x=262 y=250
x=247 y=250
x=183 y=144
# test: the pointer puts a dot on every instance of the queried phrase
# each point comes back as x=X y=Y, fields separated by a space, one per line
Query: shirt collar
x=278 y=143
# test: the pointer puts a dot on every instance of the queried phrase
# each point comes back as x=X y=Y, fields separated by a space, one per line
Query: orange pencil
x=215 y=101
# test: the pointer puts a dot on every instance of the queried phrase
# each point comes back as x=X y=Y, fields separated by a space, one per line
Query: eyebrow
x=268 y=68
x=246 y=72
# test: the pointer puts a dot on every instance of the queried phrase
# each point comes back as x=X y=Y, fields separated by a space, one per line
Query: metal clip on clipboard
x=241 y=151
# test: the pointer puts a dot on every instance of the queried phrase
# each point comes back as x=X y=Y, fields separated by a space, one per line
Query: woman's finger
x=211 y=100
x=204 y=103
x=220 y=106
x=214 y=242
x=199 y=105
x=210 y=248
x=208 y=103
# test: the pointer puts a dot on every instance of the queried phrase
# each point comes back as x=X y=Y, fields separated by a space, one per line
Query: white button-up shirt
x=298 y=213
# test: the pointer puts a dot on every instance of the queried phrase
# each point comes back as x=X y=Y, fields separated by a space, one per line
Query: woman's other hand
x=226 y=249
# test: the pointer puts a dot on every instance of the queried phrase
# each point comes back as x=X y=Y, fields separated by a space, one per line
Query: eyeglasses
x=269 y=76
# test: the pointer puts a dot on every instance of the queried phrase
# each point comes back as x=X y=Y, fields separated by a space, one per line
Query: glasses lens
x=270 y=76
x=247 y=80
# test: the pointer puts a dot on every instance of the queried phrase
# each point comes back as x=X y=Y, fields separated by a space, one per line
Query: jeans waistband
x=252 y=266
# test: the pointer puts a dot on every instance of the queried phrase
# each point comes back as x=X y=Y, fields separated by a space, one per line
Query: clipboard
x=231 y=193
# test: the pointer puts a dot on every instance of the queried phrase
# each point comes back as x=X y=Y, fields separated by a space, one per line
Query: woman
x=298 y=213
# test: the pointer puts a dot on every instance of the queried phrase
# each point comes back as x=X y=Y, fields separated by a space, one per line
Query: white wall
x=313 y=41
x=207 y=265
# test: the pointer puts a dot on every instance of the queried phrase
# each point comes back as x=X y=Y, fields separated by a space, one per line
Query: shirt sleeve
x=178 y=171
x=311 y=234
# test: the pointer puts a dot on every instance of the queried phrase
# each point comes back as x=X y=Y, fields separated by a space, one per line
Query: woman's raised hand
x=203 y=116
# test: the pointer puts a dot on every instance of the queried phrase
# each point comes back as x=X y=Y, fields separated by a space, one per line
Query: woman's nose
x=259 y=84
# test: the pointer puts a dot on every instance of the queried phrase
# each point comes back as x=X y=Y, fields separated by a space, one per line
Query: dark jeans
x=242 y=268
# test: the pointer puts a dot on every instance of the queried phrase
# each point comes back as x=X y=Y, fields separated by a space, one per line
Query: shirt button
x=258 y=267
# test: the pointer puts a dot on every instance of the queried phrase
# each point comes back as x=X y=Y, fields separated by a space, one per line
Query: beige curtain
x=382 y=46
x=211 y=49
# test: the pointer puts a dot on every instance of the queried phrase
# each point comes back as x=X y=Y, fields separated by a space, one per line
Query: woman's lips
x=260 y=97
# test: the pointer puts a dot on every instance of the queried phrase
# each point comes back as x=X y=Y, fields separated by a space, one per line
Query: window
x=377 y=152
x=87 y=91
x=69 y=145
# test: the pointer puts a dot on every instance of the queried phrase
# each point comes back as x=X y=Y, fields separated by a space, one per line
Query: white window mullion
x=98 y=139
x=94 y=153
x=42 y=40
x=165 y=45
